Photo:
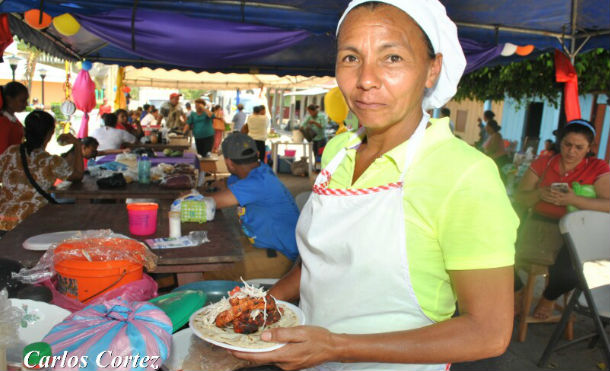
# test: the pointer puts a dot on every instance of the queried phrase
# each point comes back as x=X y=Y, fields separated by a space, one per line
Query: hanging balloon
x=126 y=89
x=66 y=25
x=335 y=106
x=32 y=18
x=87 y=65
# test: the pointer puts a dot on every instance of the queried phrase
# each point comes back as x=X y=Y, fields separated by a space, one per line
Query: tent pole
x=573 y=31
x=292 y=107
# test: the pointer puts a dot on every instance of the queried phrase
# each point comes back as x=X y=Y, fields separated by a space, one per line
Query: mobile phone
x=561 y=187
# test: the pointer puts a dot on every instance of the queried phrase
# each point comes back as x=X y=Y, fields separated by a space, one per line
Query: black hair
x=188 y=105
x=579 y=126
x=256 y=109
x=119 y=111
x=445 y=111
x=38 y=125
x=493 y=124
x=489 y=114
x=110 y=119
x=153 y=110
x=146 y=107
x=372 y=5
x=89 y=142
x=218 y=106
x=12 y=90
x=313 y=107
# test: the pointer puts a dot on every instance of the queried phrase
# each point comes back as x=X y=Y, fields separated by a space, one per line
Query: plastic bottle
x=174 y=224
x=144 y=169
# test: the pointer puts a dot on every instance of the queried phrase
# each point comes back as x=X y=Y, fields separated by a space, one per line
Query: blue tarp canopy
x=572 y=25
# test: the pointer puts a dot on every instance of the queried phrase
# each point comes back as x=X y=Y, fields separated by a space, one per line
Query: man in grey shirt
x=239 y=119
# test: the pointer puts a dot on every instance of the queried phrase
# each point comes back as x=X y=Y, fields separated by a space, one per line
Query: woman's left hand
x=306 y=346
x=562 y=198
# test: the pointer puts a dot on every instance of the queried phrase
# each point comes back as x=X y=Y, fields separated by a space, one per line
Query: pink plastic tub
x=290 y=152
x=142 y=218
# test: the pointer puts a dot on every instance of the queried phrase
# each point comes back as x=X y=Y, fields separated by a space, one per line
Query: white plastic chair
x=301 y=199
x=587 y=236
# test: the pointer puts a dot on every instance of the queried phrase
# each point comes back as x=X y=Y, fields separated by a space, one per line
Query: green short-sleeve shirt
x=457 y=213
x=201 y=125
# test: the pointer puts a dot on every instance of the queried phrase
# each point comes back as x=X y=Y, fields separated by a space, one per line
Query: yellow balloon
x=66 y=25
x=335 y=106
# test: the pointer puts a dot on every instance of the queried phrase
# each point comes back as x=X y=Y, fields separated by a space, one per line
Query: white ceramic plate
x=181 y=343
x=39 y=318
x=42 y=242
x=272 y=346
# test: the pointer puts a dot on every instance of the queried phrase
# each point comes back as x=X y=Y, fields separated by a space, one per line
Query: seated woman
x=14 y=99
x=539 y=190
x=494 y=145
x=123 y=123
x=18 y=196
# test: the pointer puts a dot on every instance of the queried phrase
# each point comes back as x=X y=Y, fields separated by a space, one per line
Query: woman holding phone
x=547 y=187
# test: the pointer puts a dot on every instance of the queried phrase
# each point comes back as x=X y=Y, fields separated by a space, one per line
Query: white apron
x=355 y=275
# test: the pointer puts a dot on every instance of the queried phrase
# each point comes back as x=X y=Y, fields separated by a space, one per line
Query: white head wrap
x=431 y=16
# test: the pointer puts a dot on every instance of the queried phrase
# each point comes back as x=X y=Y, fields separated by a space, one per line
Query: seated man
x=266 y=209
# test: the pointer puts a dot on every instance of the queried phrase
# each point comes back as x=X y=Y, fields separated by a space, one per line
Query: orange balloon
x=32 y=18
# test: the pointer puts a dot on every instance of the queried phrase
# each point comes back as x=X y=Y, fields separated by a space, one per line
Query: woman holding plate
x=404 y=219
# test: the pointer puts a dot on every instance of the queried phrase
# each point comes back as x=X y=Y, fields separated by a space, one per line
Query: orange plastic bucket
x=79 y=278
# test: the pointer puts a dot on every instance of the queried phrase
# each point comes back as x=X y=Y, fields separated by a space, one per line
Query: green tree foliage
x=535 y=79
x=192 y=94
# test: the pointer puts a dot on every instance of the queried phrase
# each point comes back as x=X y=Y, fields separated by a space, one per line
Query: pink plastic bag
x=113 y=335
x=83 y=93
x=141 y=290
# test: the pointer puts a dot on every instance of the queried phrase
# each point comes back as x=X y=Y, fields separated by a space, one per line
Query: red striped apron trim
x=322 y=189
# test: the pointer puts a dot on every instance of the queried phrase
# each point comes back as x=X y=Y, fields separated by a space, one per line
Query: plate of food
x=237 y=322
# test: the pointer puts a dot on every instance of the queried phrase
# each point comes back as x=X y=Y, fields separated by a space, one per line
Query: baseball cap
x=172 y=95
x=239 y=146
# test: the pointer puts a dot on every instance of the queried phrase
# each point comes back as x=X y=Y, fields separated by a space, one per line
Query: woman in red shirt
x=573 y=164
x=14 y=99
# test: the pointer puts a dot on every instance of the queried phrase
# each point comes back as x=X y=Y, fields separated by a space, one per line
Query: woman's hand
x=306 y=346
x=562 y=198
x=546 y=194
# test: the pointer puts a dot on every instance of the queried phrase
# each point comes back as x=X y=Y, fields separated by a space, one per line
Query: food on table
x=240 y=319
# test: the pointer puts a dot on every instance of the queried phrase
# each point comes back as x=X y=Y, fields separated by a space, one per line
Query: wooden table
x=87 y=190
x=223 y=250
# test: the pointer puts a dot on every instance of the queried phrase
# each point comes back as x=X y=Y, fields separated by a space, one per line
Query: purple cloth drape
x=187 y=41
x=478 y=55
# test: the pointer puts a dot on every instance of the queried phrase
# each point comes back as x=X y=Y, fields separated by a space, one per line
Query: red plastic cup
x=142 y=218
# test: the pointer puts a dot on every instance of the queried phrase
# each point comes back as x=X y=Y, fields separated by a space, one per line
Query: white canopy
x=174 y=79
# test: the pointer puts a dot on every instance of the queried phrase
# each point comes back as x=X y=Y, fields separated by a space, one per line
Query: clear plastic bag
x=98 y=245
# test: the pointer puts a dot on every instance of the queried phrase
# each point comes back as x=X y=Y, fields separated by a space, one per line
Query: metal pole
x=573 y=31
x=42 y=79
x=292 y=107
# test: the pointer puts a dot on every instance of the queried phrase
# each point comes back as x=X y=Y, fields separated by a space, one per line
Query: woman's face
x=18 y=103
x=121 y=118
x=574 y=147
x=383 y=67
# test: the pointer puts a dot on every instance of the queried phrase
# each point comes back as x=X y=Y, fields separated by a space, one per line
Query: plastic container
x=175 y=224
x=84 y=279
x=290 y=152
x=180 y=305
x=142 y=218
x=144 y=169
